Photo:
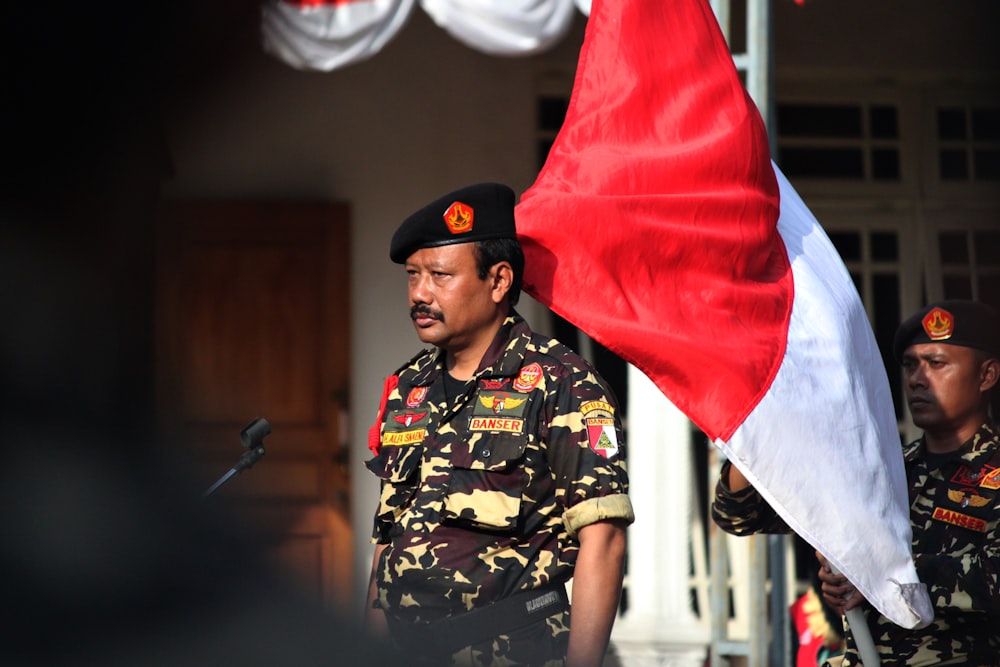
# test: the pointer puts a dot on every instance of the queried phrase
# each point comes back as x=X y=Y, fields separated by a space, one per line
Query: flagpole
x=862 y=634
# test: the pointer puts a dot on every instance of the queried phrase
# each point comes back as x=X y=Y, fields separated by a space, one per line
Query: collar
x=975 y=452
x=503 y=358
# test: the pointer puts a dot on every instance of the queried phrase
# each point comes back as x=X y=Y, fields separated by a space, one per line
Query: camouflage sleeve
x=743 y=512
x=967 y=579
x=585 y=449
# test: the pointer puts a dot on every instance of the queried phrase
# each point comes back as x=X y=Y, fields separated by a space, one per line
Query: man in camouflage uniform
x=501 y=459
x=949 y=354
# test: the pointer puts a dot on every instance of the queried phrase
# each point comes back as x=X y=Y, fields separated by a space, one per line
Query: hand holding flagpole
x=857 y=623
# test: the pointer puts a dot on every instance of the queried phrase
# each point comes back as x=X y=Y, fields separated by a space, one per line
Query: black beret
x=956 y=322
x=473 y=213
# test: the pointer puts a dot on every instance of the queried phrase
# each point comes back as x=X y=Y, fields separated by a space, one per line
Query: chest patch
x=498 y=411
x=967 y=497
x=416 y=397
x=493 y=385
x=528 y=378
x=959 y=519
x=965 y=477
x=497 y=424
x=499 y=403
x=405 y=427
x=991 y=480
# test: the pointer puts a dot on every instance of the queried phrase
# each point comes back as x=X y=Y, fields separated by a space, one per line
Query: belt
x=445 y=636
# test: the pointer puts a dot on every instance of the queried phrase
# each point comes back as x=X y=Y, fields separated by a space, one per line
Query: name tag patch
x=497 y=424
x=959 y=519
x=404 y=437
x=405 y=427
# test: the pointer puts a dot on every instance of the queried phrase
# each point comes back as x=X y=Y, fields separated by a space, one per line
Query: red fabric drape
x=652 y=225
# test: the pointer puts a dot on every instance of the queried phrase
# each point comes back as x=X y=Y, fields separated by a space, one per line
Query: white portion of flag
x=822 y=446
x=333 y=34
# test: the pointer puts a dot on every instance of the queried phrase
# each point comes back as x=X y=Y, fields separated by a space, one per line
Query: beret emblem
x=938 y=324
x=459 y=218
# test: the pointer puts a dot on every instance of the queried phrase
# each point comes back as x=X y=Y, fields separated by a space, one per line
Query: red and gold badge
x=416 y=396
x=459 y=218
x=939 y=324
x=529 y=377
x=991 y=480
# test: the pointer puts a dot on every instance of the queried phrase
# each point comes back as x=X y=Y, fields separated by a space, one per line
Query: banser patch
x=599 y=417
x=959 y=519
x=405 y=427
x=498 y=411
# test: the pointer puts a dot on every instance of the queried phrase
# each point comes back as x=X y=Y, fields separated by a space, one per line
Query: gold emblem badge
x=939 y=324
x=966 y=497
x=499 y=402
x=459 y=218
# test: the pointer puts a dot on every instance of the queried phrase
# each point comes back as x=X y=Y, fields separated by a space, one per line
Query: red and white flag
x=661 y=228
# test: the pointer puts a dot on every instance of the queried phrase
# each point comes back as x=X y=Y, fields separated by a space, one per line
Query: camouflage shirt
x=955 y=516
x=483 y=492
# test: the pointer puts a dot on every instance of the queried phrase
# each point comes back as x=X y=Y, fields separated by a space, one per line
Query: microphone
x=252 y=436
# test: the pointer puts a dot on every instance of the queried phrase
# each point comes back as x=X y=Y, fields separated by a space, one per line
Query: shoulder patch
x=599 y=418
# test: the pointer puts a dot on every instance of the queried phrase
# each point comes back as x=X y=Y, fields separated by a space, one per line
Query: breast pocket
x=486 y=483
x=397 y=468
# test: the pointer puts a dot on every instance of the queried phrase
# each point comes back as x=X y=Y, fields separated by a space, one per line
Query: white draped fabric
x=503 y=27
x=328 y=34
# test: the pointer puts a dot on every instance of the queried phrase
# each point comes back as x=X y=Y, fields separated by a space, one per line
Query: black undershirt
x=935 y=460
x=453 y=387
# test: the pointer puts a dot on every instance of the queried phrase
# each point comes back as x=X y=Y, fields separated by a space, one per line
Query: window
x=849 y=142
x=970 y=263
x=968 y=143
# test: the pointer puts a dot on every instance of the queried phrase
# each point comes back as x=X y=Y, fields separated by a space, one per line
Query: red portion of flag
x=652 y=226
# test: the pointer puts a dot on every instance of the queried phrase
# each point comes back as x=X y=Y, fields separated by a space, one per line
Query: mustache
x=425 y=311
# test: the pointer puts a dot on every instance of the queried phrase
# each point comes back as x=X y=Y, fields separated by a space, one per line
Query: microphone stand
x=252 y=436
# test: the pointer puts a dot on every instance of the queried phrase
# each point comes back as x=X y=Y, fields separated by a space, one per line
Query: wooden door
x=252 y=321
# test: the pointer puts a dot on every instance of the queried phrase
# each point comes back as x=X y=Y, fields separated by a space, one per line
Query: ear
x=502 y=276
x=989 y=374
